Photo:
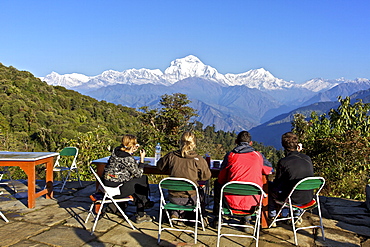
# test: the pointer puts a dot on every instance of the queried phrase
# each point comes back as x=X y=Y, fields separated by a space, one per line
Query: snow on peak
x=66 y=80
x=191 y=66
x=258 y=78
x=182 y=68
x=319 y=84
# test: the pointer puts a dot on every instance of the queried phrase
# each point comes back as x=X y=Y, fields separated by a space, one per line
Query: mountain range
x=232 y=102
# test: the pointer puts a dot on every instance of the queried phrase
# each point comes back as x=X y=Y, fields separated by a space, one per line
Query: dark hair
x=289 y=141
x=243 y=136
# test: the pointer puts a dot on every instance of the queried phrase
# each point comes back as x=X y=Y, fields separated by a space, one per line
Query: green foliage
x=92 y=145
x=165 y=125
x=35 y=116
x=339 y=147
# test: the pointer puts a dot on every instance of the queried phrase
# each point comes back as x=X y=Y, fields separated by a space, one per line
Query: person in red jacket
x=245 y=164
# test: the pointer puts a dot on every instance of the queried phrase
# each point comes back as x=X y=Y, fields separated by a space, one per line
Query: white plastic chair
x=309 y=183
x=1 y=214
x=6 y=171
x=68 y=151
x=241 y=189
x=109 y=193
x=178 y=184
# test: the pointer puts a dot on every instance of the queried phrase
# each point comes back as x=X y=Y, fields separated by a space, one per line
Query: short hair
x=187 y=143
x=128 y=141
x=289 y=141
x=243 y=136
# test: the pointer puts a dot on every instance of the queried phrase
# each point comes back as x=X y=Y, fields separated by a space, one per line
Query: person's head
x=129 y=143
x=243 y=136
x=187 y=143
x=289 y=141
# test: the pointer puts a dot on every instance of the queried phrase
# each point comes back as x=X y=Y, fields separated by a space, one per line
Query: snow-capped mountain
x=187 y=67
x=231 y=102
x=66 y=80
x=179 y=69
x=319 y=84
x=191 y=66
x=258 y=78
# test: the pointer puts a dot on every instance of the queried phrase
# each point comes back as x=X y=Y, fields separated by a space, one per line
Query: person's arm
x=278 y=174
x=267 y=166
x=133 y=168
x=223 y=175
x=162 y=163
x=204 y=173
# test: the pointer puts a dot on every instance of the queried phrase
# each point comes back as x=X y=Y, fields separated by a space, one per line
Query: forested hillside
x=36 y=117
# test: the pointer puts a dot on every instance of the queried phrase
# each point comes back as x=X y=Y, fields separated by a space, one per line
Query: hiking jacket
x=122 y=167
x=290 y=170
x=245 y=164
x=192 y=166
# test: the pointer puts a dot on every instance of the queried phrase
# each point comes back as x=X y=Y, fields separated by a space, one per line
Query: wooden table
x=28 y=161
x=151 y=169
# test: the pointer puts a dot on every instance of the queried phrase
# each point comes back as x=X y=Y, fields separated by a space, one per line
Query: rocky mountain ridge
x=231 y=102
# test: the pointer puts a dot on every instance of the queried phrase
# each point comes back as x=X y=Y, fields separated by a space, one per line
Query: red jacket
x=246 y=165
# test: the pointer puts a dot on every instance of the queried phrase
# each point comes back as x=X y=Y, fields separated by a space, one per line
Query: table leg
x=99 y=171
x=31 y=184
x=49 y=178
x=264 y=212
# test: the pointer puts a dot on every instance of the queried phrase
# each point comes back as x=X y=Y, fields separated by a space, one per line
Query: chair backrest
x=69 y=151
x=111 y=191
x=310 y=183
x=177 y=184
x=243 y=188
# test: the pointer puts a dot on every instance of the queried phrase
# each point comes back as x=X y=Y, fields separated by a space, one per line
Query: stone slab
x=28 y=243
x=13 y=232
x=64 y=236
x=337 y=238
x=49 y=216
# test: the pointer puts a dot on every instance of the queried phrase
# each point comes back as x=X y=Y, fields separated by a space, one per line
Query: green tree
x=338 y=144
x=166 y=124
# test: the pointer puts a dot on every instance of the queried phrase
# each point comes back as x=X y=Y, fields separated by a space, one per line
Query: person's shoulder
x=173 y=153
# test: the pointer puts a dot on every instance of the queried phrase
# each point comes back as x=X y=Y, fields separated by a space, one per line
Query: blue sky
x=295 y=40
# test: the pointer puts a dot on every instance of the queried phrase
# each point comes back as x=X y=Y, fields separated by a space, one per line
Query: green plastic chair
x=179 y=184
x=68 y=151
x=242 y=189
x=309 y=183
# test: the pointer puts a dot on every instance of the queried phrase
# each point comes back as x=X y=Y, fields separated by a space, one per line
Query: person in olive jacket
x=185 y=163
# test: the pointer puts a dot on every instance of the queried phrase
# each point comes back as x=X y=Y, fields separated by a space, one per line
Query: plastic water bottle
x=157 y=154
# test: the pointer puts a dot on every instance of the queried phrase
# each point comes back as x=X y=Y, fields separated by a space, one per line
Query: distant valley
x=254 y=100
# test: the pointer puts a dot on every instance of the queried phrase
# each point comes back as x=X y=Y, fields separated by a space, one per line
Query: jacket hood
x=190 y=155
x=244 y=147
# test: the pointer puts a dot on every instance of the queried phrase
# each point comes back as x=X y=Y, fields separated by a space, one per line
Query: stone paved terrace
x=60 y=222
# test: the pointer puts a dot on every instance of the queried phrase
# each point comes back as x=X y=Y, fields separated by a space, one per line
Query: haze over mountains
x=230 y=102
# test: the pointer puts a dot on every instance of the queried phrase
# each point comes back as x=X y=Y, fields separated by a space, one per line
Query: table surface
x=25 y=156
x=147 y=160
